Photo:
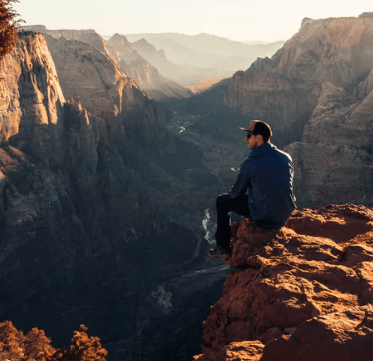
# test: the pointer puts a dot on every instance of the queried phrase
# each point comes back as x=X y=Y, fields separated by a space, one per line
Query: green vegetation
x=36 y=346
x=8 y=27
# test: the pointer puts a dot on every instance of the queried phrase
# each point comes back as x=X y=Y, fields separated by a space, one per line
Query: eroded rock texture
x=88 y=229
x=303 y=292
x=316 y=91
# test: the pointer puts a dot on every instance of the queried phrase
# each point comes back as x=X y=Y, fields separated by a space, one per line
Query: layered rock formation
x=303 y=292
x=87 y=227
x=316 y=91
x=121 y=53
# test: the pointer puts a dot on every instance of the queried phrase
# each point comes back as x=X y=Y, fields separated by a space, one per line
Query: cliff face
x=88 y=36
x=63 y=155
x=108 y=93
x=85 y=215
x=303 y=292
x=287 y=90
x=316 y=91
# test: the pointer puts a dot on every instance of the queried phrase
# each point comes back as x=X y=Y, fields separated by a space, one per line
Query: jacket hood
x=263 y=149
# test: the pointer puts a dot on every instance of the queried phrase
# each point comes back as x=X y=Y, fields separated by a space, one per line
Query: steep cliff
x=316 y=91
x=107 y=92
x=68 y=196
x=87 y=230
x=88 y=36
x=303 y=292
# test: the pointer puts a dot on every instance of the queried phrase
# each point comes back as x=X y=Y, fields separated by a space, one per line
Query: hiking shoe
x=219 y=251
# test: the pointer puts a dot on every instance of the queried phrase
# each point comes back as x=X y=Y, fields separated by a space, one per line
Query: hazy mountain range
x=207 y=50
x=191 y=61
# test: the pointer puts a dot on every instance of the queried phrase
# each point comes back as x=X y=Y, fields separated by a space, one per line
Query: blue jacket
x=267 y=176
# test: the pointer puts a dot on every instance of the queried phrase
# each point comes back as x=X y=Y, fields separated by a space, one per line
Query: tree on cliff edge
x=82 y=348
x=8 y=27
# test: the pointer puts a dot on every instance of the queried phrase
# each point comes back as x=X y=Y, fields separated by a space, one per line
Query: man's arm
x=242 y=182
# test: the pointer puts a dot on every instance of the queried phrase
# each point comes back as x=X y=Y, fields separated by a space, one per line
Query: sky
x=240 y=20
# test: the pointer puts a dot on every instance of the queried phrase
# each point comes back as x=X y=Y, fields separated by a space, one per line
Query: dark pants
x=225 y=205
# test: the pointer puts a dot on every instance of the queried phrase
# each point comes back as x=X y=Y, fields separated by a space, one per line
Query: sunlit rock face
x=316 y=91
x=303 y=292
x=88 y=36
x=74 y=174
x=24 y=107
x=107 y=92
x=68 y=197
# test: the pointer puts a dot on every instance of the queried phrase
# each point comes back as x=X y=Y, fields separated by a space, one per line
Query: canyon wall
x=93 y=196
x=315 y=92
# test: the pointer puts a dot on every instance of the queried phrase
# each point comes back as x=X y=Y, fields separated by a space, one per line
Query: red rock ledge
x=300 y=293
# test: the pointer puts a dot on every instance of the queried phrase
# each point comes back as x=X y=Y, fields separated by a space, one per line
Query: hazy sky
x=242 y=20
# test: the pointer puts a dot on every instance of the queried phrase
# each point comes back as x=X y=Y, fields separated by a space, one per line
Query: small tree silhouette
x=83 y=348
x=11 y=342
x=8 y=27
x=37 y=346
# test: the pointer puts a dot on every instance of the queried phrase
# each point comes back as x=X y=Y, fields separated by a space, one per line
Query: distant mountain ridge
x=207 y=50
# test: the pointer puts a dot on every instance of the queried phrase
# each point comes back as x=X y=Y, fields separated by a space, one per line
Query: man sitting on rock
x=263 y=190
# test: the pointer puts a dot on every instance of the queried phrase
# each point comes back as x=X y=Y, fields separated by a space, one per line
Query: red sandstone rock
x=304 y=290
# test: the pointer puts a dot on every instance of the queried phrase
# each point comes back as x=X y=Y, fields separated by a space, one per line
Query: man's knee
x=223 y=201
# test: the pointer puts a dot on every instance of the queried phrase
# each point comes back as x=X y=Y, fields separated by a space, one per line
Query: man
x=263 y=190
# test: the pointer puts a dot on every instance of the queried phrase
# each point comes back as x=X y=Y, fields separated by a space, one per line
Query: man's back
x=263 y=190
x=267 y=176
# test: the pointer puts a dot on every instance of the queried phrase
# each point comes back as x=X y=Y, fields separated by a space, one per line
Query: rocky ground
x=303 y=292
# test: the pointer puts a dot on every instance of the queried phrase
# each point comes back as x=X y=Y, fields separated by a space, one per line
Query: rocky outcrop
x=316 y=91
x=303 y=292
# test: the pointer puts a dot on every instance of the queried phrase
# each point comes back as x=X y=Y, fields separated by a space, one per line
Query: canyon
x=110 y=170
x=94 y=211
